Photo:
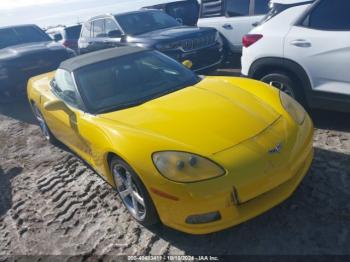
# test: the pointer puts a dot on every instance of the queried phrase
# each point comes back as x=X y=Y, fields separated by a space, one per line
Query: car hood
x=30 y=49
x=177 y=33
x=209 y=117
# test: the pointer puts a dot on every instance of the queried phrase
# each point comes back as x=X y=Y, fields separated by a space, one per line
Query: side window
x=237 y=8
x=111 y=26
x=99 y=28
x=64 y=87
x=330 y=15
x=86 y=30
x=261 y=7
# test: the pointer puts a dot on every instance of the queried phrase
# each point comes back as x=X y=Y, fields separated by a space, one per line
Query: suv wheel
x=285 y=83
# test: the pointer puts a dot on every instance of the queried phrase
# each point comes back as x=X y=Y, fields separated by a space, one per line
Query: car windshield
x=143 y=22
x=131 y=80
x=21 y=35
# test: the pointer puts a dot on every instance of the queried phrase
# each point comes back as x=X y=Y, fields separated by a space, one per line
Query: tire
x=43 y=126
x=287 y=84
x=135 y=198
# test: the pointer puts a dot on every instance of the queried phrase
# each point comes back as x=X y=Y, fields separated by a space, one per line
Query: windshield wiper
x=118 y=107
x=140 y=101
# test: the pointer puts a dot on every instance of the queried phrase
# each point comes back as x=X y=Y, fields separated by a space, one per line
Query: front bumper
x=216 y=195
x=203 y=60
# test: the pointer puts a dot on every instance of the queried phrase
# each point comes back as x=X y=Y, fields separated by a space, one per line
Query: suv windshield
x=21 y=35
x=131 y=80
x=143 y=22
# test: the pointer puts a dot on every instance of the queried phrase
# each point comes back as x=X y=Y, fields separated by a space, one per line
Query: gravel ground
x=51 y=203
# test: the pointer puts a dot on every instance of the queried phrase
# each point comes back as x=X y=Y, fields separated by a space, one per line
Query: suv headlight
x=168 y=46
x=295 y=110
x=185 y=167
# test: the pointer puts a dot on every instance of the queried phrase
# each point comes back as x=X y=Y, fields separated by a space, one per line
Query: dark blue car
x=156 y=30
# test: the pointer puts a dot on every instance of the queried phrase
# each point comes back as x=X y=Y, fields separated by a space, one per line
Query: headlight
x=168 y=46
x=185 y=167
x=295 y=110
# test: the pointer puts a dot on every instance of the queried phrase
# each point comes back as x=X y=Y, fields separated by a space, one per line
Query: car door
x=320 y=43
x=238 y=18
x=64 y=118
x=99 y=36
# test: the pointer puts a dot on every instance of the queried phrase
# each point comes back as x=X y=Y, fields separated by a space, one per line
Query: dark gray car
x=154 y=29
x=26 y=51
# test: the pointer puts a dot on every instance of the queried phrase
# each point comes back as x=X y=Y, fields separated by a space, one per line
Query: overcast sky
x=54 y=12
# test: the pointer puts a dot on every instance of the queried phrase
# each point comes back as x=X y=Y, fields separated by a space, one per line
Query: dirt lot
x=52 y=203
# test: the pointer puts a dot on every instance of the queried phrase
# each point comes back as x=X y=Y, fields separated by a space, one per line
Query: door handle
x=255 y=24
x=227 y=26
x=301 y=43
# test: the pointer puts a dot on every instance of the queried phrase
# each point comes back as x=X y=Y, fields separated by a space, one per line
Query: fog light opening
x=204 y=218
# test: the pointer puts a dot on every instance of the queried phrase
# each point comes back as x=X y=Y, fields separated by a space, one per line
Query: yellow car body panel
x=232 y=121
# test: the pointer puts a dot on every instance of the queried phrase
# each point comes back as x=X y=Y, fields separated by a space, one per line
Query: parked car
x=156 y=30
x=200 y=154
x=25 y=51
x=66 y=35
x=184 y=11
x=232 y=18
x=303 y=48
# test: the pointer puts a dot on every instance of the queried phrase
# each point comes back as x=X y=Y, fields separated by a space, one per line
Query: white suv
x=303 y=48
x=232 y=18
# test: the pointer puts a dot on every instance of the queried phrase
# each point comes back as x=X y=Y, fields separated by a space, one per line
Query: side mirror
x=188 y=64
x=57 y=37
x=115 y=34
x=54 y=105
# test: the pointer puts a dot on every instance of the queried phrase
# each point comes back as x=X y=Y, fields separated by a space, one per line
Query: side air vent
x=211 y=8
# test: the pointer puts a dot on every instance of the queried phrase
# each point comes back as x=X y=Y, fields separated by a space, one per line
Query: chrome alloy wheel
x=283 y=87
x=129 y=192
x=39 y=117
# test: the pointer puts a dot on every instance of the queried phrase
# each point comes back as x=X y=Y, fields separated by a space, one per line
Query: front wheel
x=133 y=193
x=43 y=126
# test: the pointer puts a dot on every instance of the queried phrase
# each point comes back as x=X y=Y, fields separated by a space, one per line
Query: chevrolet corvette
x=199 y=154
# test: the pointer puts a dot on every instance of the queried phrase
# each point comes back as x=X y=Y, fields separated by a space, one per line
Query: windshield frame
x=89 y=109
x=127 y=32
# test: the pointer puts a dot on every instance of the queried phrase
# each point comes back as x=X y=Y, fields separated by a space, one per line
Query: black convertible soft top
x=77 y=62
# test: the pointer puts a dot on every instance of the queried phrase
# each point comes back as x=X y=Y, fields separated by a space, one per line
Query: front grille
x=198 y=43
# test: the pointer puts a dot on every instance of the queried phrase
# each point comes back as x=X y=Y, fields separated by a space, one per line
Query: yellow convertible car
x=200 y=154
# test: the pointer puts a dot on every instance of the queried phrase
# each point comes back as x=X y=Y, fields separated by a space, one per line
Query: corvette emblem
x=276 y=149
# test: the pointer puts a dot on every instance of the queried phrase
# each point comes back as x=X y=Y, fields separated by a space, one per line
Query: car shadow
x=19 y=110
x=331 y=120
x=6 y=188
x=315 y=220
